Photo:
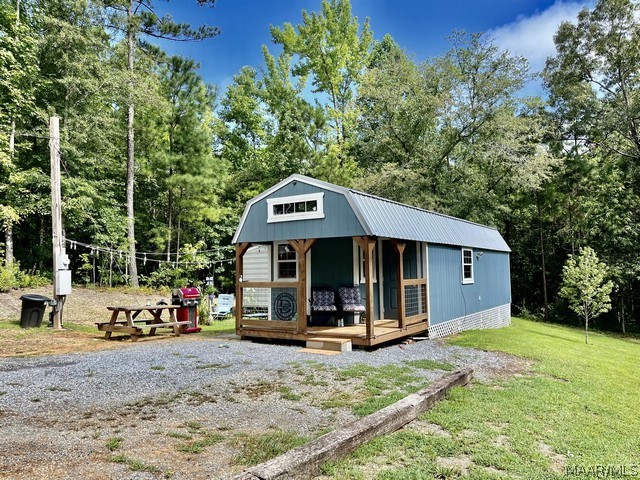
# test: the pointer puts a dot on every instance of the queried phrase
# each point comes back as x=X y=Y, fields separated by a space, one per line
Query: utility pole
x=61 y=273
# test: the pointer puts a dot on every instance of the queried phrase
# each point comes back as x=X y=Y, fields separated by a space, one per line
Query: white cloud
x=532 y=37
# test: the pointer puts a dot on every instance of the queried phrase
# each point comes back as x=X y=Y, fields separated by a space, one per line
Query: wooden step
x=334 y=344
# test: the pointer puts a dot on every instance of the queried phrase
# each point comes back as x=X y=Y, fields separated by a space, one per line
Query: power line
x=143 y=256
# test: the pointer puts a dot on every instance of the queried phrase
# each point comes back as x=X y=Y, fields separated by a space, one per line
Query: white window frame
x=467 y=281
x=288 y=217
x=358 y=265
x=276 y=263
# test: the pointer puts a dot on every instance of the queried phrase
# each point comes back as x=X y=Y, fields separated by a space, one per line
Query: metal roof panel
x=386 y=218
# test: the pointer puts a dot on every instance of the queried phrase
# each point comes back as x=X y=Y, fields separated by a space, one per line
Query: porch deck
x=384 y=331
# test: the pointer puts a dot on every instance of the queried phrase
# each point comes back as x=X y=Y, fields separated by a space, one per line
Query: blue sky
x=525 y=27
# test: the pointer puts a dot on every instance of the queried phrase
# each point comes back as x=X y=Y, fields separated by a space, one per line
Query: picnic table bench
x=134 y=326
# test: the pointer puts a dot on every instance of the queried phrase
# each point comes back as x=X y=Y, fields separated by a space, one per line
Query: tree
x=136 y=19
x=585 y=287
x=593 y=79
x=333 y=52
x=594 y=91
x=18 y=69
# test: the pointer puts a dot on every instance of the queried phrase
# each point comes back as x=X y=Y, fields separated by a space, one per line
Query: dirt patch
x=557 y=459
x=83 y=308
x=422 y=426
x=460 y=464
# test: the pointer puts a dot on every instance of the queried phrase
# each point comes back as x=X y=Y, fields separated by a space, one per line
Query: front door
x=390 y=276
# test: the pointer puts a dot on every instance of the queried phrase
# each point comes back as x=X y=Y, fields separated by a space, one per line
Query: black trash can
x=33 y=307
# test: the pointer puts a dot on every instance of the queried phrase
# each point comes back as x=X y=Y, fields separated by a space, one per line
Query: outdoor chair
x=350 y=301
x=323 y=301
x=225 y=304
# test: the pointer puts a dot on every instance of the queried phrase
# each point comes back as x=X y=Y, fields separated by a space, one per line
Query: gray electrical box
x=63 y=262
x=63 y=282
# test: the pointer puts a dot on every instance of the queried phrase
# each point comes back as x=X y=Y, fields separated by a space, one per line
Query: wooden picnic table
x=134 y=326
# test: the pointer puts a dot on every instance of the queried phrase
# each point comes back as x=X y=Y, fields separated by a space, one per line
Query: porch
x=281 y=309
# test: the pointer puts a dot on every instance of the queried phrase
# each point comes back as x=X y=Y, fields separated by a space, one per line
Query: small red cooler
x=188 y=299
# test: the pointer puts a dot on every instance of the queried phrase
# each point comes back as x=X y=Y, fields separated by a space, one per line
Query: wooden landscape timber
x=304 y=461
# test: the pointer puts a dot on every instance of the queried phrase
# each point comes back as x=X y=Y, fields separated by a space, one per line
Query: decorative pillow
x=323 y=300
x=350 y=299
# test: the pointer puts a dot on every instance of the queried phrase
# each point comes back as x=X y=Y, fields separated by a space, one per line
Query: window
x=286 y=262
x=299 y=207
x=358 y=265
x=467 y=265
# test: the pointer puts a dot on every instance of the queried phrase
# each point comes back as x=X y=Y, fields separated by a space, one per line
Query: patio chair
x=225 y=304
x=323 y=301
x=350 y=301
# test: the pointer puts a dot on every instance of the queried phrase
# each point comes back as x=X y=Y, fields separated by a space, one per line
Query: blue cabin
x=315 y=259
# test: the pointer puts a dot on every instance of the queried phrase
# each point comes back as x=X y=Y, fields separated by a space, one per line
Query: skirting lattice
x=496 y=317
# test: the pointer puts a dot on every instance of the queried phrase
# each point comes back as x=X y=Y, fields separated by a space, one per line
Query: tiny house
x=409 y=271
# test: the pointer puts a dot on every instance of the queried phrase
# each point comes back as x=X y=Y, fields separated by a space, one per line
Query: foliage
x=558 y=413
x=257 y=448
x=11 y=277
x=585 y=287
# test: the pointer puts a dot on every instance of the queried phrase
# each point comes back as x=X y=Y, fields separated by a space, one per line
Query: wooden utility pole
x=56 y=217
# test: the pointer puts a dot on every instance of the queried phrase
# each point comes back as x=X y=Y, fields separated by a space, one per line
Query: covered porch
x=395 y=303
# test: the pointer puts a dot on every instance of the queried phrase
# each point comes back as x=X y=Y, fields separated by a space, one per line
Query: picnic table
x=134 y=326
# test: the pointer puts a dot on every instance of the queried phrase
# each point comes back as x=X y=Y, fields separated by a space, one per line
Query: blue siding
x=339 y=219
x=450 y=298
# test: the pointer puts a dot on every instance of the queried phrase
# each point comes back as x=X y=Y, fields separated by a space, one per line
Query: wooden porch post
x=302 y=247
x=241 y=248
x=367 y=245
x=399 y=248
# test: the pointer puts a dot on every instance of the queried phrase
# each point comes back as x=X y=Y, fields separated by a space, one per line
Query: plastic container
x=33 y=307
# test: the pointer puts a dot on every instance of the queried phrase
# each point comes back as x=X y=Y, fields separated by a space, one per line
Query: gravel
x=57 y=412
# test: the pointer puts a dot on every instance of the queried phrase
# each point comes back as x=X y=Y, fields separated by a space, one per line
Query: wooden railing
x=415 y=300
x=269 y=305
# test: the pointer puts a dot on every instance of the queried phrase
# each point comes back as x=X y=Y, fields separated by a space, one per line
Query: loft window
x=286 y=262
x=467 y=265
x=299 y=207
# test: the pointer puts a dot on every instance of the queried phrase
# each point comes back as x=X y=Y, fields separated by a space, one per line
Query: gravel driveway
x=61 y=415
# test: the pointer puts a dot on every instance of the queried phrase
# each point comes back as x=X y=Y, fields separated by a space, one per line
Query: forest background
x=157 y=165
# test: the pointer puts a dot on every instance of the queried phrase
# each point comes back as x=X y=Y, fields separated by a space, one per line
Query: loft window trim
x=467 y=279
x=272 y=217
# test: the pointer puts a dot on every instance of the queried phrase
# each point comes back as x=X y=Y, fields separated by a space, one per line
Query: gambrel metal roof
x=385 y=218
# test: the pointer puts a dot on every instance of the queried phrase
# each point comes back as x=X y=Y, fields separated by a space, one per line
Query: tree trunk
x=131 y=237
x=169 y=225
x=542 y=257
x=8 y=246
x=178 y=243
x=586 y=323
x=624 y=330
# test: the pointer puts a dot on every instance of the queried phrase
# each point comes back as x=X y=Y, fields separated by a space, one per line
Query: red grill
x=188 y=299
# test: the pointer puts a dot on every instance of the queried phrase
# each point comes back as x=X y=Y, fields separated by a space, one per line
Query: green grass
x=219 y=327
x=8 y=324
x=114 y=443
x=258 y=448
x=206 y=366
x=286 y=393
x=431 y=365
x=576 y=408
x=382 y=387
x=135 y=465
x=157 y=367
x=197 y=446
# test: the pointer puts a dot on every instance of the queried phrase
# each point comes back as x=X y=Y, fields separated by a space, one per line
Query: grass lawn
x=219 y=327
x=574 y=415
